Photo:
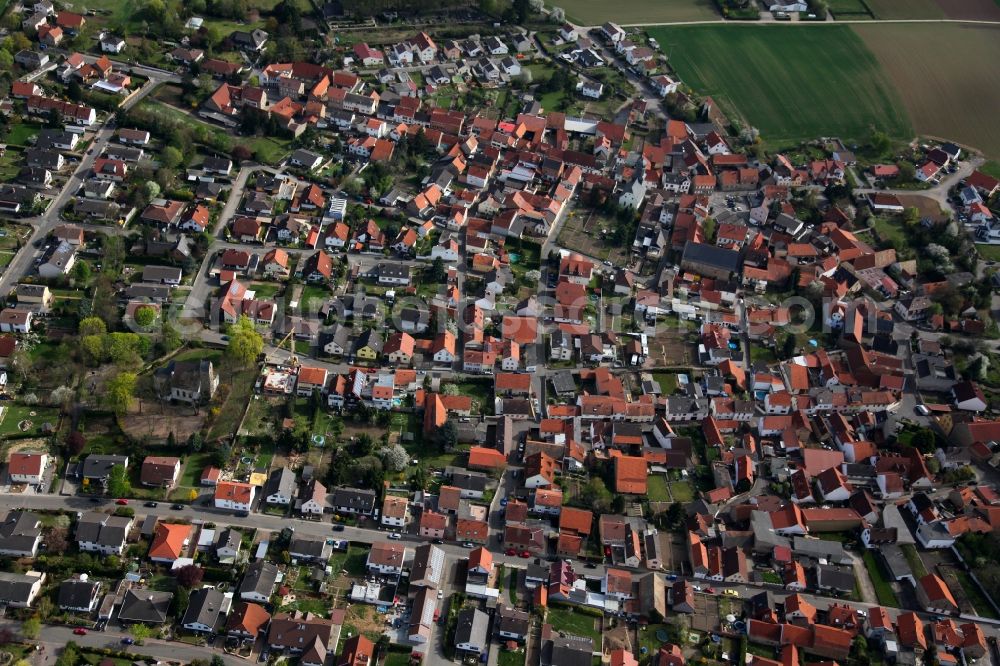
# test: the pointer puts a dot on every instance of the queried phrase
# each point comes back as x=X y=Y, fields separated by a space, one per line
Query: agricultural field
x=633 y=12
x=950 y=93
x=970 y=10
x=849 y=10
x=792 y=83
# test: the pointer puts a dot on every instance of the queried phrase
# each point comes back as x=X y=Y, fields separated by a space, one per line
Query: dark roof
x=716 y=257
x=260 y=577
x=147 y=606
x=204 y=607
x=76 y=593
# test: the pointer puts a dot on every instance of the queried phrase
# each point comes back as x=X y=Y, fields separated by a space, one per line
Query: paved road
x=21 y=265
x=938 y=192
x=53 y=638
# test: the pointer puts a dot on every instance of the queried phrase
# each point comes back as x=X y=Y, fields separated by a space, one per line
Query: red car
x=710 y=590
x=525 y=554
x=80 y=631
x=510 y=551
x=123 y=502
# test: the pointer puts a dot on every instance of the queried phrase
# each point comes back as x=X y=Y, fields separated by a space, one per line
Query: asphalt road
x=53 y=638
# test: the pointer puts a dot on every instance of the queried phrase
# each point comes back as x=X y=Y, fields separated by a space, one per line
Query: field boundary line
x=782 y=24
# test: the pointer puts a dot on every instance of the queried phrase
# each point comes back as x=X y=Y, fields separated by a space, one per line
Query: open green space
x=30 y=416
x=791 y=83
x=913 y=559
x=656 y=488
x=975 y=596
x=883 y=589
x=509 y=658
x=682 y=491
x=578 y=624
x=667 y=382
x=20 y=134
x=988 y=252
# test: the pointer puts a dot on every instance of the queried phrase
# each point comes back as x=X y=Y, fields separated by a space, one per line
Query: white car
x=922 y=410
x=395 y=536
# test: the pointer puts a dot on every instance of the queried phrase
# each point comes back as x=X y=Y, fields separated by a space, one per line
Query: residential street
x=54 y=637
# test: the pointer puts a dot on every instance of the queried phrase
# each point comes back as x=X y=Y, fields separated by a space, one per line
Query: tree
x=140 y=632
x=62 y=396
x=170 y=337
x=907 y=171
x=145 y=316
x=6 y=61
x=395 y=458
x=75 y=443
x=436 y=273
x=57 y=540
x=171 y=157
x=879 y=142
x=189 y=576
x=150 y=190
x=192 y=495
x=31 y=627
x=81 y=271
x=596 y=495
x=924 y=440
x=92 y=349
x=446 y=437
x=92 y=326
x=118 y=483
x=119 y=392
x=245 y=343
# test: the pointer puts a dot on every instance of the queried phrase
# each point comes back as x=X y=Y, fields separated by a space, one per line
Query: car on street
x=525 y=554
x=127 y=641
x=95 y=500
x=121 y=501
x=468 y=544
x=710 y=590
x=151 y=505
x=440 y=594
x=177 y=507
x=437 y=541
x=338 y=528
x=922 y=410
x=510 y=552
x=80 y=631
x=731 y=592
x=395 y=536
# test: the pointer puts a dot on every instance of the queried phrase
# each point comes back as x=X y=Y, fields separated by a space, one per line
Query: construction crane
x=293 y=359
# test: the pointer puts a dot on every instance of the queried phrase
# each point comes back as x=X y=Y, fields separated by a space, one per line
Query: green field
x=657 y=488
x=631 y=12
x=577 y=624
x=792 y=83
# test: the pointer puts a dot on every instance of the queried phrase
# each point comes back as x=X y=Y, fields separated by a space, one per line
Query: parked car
x=121 y=501
x=80 y=631
x=127 y=641
x=177 y=507
x=151 y=505
x=338 y=528
x=395 y=536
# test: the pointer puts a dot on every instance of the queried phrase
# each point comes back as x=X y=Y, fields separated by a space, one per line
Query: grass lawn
x=657 y=488
x=891 y=230
x=401 y=659
x=578 y=624
x=682 y=491
x=913 y=559
x=15 y=414
x=20 y=133
x=667 y=382
x=991 y=168
x=266 y=290
x=267 y=149
x=975 y=596
x=481 y=393
x=508 y=658
x=792 y=83
x=770 y=577
x=883 y=589
x=194 y=465
x=240 y=386
x=988 y=252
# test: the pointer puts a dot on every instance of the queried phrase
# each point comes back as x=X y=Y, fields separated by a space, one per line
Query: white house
x=13 y=320
x=234 y=496
x=27 y=468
